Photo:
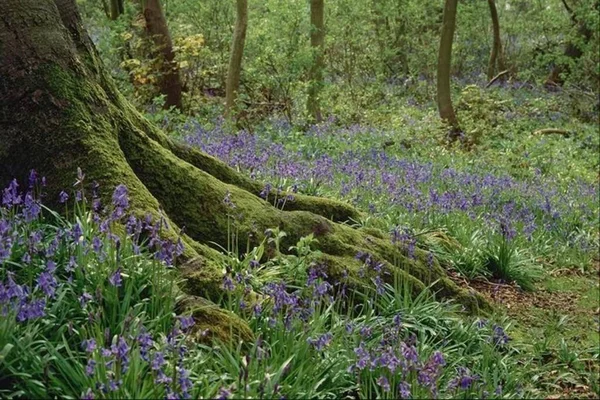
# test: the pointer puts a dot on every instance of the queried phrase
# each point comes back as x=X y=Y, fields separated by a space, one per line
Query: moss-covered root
x=212 y=322
x=329 y=208
x=197 y=200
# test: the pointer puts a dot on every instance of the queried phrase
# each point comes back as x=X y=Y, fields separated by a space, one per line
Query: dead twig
x=549 y=131
x=494 y=79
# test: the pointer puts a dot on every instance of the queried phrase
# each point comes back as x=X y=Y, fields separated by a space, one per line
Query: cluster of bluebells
x=280 y=197
x=160 y=357
x=371 y=266
x=498 y=336
x=517 y=208
x=50 y=254
x=286 y=303
x=38 y=262
x=398 y=368
x=397 y=364
x=23 y=241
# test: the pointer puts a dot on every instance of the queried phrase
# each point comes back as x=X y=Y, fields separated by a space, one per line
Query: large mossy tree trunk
x=496 y=62
x=60 y=110
x=169 y=81
x=232 y=86
x=317 y=43
x=444 y=96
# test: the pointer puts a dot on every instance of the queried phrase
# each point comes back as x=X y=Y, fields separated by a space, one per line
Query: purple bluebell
x=89 y=345
x=146 y=342
x=47 y=283
x=121 y=351
x=404 y=390
x=384 y=383
x=499 y=336
x=90 y=368
x=464 y=380
x=158 y=361
x=115 y=279
x=186 y=322
x=224 y=394
x=320 y=342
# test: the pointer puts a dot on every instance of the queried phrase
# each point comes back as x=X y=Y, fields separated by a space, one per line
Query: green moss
x=212 y=322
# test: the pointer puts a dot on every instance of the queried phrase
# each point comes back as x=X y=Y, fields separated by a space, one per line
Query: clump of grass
x=505 y=261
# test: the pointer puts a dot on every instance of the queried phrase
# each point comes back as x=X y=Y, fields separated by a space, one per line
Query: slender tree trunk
x=573 y=50
x=157 y=29
x=116 y=8
x=444 y=98
x=496 y=55
x=317 y=42
x=232 y=85
x=106 y=8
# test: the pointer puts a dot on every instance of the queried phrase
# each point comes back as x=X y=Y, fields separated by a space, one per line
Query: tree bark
x=116 y=8
x=444 y=98
x=317 y=42
x=169 y=81
x=232 y=85
x=59 y=110
x=496 y=55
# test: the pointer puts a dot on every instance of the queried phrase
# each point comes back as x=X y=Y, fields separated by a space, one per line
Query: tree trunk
x=444 y=98
x=317 y=42
x=232 y=85
x=496 y=55
x=60 y=110
x=106 y=9
x=116 y=8
x=157 y=29
x=573 y=50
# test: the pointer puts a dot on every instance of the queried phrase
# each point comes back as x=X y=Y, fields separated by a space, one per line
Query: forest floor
x=557 y=325
x=399 y=171
x=509 y=214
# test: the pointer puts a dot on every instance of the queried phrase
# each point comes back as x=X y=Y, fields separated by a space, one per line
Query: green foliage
x=375 y=51
x=380 y=70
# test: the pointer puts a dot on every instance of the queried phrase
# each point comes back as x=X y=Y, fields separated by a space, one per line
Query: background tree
x=317 y=43
x=169 y=81
x=579 y=11
x=496 y=62
x=444 y=97
x=116 y=8
x=234 y=72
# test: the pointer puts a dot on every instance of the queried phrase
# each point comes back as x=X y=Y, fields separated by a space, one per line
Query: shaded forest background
x=376 y=54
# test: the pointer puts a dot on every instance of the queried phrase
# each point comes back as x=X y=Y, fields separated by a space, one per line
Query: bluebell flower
x=89 y=345
x=116 y=279
x=88 y=395
x=162 y=378
x=224 y=394
x=158 y=361
x=321 y=342
x=384 y=383
x=404 y=390
x=90 y=368
x=186 y=322
x=47 y=283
